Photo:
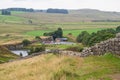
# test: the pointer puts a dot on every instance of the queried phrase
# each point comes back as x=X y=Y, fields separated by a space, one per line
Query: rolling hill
x=73 y=16
x=27 y=25
x=81 y=15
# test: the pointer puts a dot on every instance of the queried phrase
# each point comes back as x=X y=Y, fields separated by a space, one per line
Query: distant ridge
x=78 y=15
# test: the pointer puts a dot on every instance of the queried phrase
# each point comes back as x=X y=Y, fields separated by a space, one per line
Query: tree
x=30 y=21
x=63 y=11
x=20 y=9
x=55 y=34
x=26 y=42
x=36 y=49
x=59 y=33
x=6 y=12
x=38 y=38
x=82 y=36
x=91 y=39
x=118 y=29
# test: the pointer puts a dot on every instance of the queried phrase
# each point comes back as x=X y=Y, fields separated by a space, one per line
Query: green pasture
x=65 y=32
x=18 y=23
x=79 y=25
x=12 y=19
x=18 y=12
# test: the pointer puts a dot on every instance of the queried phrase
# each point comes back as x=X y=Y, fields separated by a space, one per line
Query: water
x=18 y=52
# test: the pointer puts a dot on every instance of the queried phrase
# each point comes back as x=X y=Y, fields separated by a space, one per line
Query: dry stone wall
x=111 y=45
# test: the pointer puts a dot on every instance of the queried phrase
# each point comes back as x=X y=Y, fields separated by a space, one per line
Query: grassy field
x=10 y=38
x=65 y=32
x=14 y=19
x=73 y=16
x=15 y=32
x=53 y=67
x=18 y=24
x=17 y=27
x=32 y=30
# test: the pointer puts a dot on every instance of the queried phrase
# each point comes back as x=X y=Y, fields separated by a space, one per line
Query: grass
x=80 y=16
x=12 y=19
x=6 y=55
x=55 y=67
x=18 y=23
x=65 y=32
x=33 y=30
x=18 y=12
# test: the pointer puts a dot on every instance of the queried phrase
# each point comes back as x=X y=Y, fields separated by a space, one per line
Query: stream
x=19 y=52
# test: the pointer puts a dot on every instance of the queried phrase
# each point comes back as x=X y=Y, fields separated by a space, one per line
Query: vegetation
x=118 y=29
x=83 y=37
x=38 y=48
x=38 y=38
x=91 y=39
x=63 y=11
x=6 y=12
x=75 y=48
x=26 y=42
x=53 y=67
x=12 y=20
x=75 y=32
x=20 y=9
x=56 y=34
x=74 y=16
x=6 y=55
x=23 y=25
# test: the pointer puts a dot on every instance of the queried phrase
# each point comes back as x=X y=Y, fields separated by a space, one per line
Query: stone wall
x=111 y=45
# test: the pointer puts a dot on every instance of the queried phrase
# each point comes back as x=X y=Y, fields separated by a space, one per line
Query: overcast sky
x=106 y=5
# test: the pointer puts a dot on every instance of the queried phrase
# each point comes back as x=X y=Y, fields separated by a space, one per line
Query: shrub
x=118 y=29
x=75 y=48
x=26 y=42
x=35 y=49
x=6 y=12
x=91 y=39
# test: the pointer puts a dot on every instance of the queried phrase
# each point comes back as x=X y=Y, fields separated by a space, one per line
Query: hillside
x=30 y=24
x=54 y=67
x=93 y=14
x=73 y=16
x=13 y=19
x=81 y=15
x=6 y=55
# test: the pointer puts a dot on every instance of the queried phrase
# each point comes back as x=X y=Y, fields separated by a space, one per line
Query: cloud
x=18 y=0
x=108 y=5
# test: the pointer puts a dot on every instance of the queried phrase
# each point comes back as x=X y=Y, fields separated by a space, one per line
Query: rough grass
x=9 y=38
x=55 y=67
x=6 y=55
x=79 y=16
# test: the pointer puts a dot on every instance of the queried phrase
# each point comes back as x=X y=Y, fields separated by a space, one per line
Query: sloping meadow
x=56 y=67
